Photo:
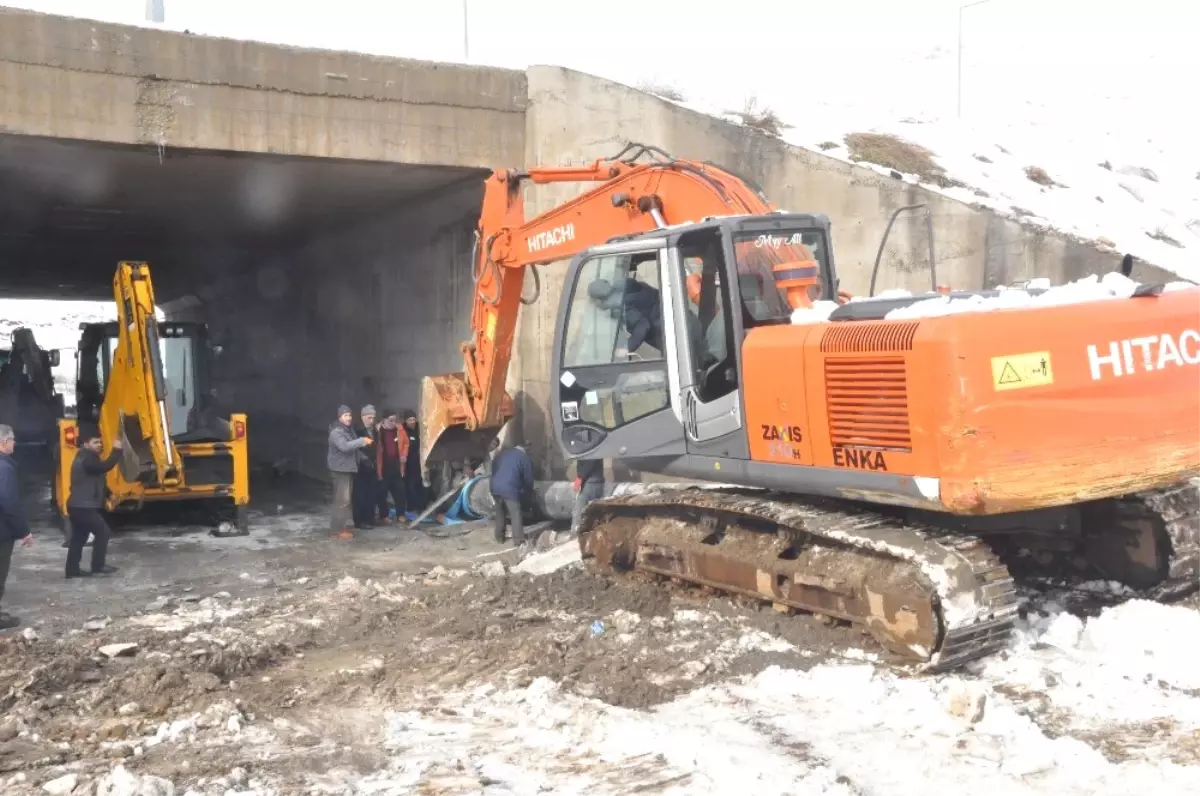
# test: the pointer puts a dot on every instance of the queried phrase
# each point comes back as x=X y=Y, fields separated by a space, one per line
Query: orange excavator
x=883 y=471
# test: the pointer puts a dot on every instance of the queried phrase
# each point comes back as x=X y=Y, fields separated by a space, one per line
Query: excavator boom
x=462 y=412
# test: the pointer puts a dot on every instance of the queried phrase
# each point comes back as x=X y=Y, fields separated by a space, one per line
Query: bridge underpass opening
x=323 y=281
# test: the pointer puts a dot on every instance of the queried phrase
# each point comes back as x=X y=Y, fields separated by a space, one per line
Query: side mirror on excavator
x=54 y=358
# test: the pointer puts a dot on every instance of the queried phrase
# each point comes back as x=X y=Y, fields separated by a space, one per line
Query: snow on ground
x=1110 y=706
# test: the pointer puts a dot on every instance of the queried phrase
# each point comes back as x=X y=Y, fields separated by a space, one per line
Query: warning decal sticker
x=1016 y=371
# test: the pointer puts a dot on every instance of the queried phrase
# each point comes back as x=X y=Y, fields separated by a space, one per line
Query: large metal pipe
x=553 y=500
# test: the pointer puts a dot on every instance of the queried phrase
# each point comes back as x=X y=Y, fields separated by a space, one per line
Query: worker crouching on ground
x=391 y=460
x=512 y=480
x=85 y=501
x=14 y=527
x=342 y=460
x=365 y=492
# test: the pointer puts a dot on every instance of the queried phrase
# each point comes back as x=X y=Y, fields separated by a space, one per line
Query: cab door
x=615 y=364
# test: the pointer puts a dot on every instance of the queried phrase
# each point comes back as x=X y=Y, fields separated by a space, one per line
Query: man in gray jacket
x=344 y=445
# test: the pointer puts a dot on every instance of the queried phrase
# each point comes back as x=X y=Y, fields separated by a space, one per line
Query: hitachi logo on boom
x=551 y=237
x=1144 y=354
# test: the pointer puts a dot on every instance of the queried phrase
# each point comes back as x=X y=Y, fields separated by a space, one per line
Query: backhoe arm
x=461 y=412
x=135 y=398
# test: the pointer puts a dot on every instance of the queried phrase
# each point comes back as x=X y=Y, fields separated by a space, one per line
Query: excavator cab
x=647 y=361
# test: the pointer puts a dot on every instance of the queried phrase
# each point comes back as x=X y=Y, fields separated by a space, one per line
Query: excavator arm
x=461 y=412
x=135 y=398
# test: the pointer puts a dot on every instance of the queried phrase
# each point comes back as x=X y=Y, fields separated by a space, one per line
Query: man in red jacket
x=391 y=459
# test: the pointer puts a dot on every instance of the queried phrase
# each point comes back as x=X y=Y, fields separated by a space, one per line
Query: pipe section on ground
x=552 y=500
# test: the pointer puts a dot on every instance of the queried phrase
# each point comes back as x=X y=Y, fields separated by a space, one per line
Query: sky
x=1114 y=63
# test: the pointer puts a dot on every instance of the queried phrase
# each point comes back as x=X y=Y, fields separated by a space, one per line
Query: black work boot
x=8 y=621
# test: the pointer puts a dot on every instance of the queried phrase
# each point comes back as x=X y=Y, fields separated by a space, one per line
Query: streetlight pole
x=466 y=42
x=960 y=21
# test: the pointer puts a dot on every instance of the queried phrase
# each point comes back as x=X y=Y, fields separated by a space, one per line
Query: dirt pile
x=269 y=694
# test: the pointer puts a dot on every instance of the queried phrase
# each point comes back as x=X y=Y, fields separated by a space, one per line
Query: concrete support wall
x=353 y=318
x=73 y=78
x=574 y=118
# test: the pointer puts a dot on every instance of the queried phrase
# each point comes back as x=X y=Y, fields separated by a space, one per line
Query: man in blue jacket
x=13 y=525
x=512 y=480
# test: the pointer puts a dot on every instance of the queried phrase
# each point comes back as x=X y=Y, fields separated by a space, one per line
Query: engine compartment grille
x=867 y=400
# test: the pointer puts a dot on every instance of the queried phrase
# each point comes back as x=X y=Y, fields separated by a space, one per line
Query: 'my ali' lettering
x=775 y=241
x=551 y=237
x=1144 y=354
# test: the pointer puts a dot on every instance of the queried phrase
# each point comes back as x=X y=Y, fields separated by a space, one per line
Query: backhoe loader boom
x=141 y=415
x=460 y=412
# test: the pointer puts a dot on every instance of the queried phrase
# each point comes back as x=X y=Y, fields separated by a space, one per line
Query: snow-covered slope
x=1126 y=198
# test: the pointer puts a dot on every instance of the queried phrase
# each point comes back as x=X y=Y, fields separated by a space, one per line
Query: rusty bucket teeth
x=445 y=417
x=934 y=600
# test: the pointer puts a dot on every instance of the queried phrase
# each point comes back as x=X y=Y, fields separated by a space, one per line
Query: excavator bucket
x=445 y=416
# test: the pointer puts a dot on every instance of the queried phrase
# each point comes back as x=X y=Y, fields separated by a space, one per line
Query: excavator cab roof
x=739 y=223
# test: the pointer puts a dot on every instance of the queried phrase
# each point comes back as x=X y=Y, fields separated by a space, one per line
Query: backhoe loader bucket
x=444 y=415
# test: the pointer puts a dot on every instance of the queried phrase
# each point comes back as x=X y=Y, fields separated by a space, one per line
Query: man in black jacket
x=85 y=501
x=414 y=479
x=365 y=495
x=13 y=525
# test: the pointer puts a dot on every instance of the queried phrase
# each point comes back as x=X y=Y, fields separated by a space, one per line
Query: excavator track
x=1153 y=541
x=937 y=600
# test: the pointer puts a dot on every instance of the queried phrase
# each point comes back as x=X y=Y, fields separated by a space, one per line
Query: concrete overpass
x=317 y=207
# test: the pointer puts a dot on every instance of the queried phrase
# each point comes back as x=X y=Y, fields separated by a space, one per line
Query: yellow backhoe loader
x=145 y=382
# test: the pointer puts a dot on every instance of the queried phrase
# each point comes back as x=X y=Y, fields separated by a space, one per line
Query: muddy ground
x=261 y=661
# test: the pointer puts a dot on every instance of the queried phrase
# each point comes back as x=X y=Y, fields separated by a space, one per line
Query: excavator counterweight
x=874 y=464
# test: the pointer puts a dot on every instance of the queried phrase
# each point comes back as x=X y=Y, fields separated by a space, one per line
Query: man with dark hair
x=414 y=479
x=85 y=501
x=390 y=463
x=342 y=461
x=13 y=525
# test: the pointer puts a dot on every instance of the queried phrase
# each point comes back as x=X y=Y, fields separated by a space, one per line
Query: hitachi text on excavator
x=884 y=472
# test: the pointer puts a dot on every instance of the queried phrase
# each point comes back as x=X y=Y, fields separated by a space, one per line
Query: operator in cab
x=86 y=499
x=641 y=305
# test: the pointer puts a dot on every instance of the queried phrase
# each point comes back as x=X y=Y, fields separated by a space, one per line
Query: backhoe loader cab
x=147 y=383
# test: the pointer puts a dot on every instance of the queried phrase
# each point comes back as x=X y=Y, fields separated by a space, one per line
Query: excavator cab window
x=758 y=254
x=617 y=314
x=613 y=360
x=710 y=331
